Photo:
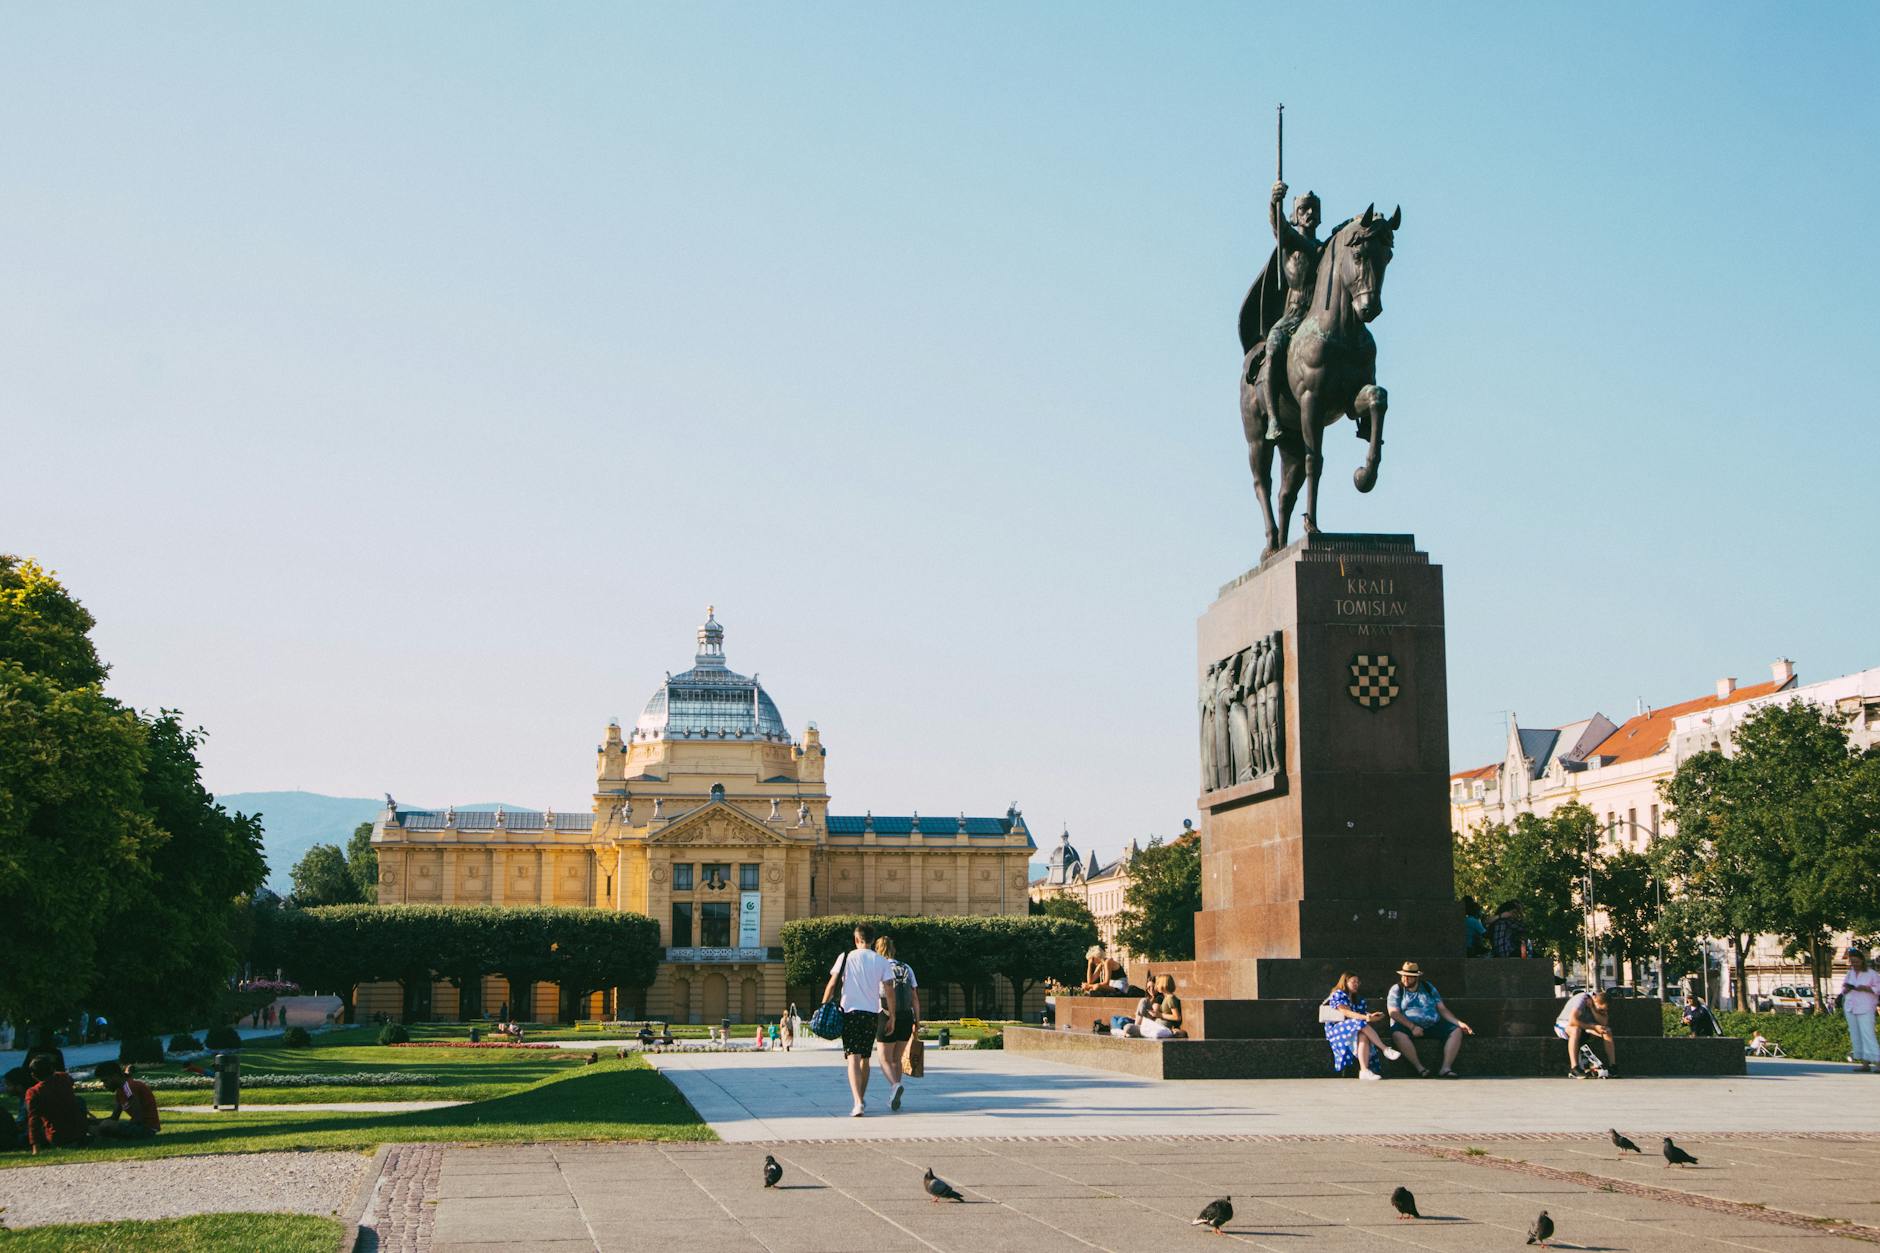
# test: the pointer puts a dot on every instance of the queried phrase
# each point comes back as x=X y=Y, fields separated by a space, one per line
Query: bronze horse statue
x=1330 y=372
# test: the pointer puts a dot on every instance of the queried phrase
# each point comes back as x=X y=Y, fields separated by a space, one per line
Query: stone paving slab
x=1038 y=1196
x=773 y=1097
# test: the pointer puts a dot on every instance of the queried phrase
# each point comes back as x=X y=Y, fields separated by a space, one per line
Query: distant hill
x=293 y=822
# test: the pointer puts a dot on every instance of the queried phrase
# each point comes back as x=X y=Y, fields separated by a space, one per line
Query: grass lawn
x=462 y=1074
x=614 y=1100
x=205 y=1233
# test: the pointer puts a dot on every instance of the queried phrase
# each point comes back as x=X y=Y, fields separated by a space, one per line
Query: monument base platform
x=1299 y=1058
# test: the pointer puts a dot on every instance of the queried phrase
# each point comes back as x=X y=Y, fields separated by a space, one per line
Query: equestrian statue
x=1309 y=357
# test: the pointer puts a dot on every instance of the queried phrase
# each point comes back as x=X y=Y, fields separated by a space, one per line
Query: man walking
x=864 y=977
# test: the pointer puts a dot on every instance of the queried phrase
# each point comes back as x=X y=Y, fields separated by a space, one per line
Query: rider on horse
x=1298 y=257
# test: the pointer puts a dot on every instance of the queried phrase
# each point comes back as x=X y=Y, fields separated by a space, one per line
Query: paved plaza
x=1051 y=1157
x=803 y=1096
x=1040 y=1196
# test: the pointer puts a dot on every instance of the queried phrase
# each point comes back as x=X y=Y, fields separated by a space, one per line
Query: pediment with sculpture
x=717 y=825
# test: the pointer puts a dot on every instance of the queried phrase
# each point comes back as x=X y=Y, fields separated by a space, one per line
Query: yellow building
x=708 y=817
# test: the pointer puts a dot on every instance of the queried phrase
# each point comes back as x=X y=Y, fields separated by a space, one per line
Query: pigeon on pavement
x=1622 y=1144
x=939 y=1189
x=1542 y=1231
x=772 y=1171
x=1215 y=1215
x=1404 y=1202
x=1675 y=1156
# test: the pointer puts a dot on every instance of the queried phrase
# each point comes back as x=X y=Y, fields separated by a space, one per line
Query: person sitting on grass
x=1586 y=1015
x=646 y=1034
x=13 y=1113
x=1417 y=1012
x=55 y=1116
x=1162 y=1018
x=133 y=1105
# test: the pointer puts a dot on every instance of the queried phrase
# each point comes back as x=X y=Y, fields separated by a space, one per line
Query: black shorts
x=858 y=1031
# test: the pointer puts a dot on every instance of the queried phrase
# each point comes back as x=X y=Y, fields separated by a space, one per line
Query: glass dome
x=709 y=701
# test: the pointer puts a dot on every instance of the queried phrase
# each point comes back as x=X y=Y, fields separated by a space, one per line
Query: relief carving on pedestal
x=1242 y=716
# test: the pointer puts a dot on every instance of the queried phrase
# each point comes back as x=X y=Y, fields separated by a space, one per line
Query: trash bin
x=475 y=1035
x=724 y=1025
x=228 y=1080
x=946 y=1036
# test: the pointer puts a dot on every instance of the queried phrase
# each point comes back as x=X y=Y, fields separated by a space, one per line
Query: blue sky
x=398 y=385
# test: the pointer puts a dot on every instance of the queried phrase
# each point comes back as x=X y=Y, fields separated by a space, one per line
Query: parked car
x=1791 y=999
x=1622 y=991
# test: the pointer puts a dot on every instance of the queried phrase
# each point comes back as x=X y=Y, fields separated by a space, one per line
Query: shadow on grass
x=612 y=1101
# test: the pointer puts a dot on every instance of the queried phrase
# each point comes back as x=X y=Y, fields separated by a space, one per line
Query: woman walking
x=1860 y=992
x=1351 y=1029
x=905 y=991
x=787 y=1028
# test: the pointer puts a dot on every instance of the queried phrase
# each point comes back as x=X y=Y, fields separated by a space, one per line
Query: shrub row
x=367 y=1079
x=338 y=947
x=1816 y=1037
x=966 y=950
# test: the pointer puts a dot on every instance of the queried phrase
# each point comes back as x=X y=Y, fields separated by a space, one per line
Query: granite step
x=1215 y=1018
x=1521 y=1057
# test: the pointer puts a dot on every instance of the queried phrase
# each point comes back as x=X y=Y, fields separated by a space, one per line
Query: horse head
x=1364 y=252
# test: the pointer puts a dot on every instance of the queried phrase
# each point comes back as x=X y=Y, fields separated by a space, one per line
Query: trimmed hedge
x=1816 y=1037
x=223 y=1037
x=967 y=950
x=141 y=1048
x=394 y=1033
x=583 y=950
x=183 y=1042
x=297 y=1038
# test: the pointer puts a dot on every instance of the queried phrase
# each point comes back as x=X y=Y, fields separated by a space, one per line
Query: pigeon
x=1215 y=1215
x=939 y=1189
x=772 y=1171
x=1622 y=1144
x=1675 y=1156
x=1542 y=1231
x=1404 y=1202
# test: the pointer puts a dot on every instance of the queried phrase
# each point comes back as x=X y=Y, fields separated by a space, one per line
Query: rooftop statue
x=1309 y=356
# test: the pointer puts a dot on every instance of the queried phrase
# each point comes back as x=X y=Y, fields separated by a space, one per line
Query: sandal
x=1447 y=1074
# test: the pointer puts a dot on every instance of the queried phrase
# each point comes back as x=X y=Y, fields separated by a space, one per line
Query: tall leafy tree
x=1541 y=862
x=321 y=877
x=1159 y=905
x=175 y=944
x=362 y=863
x=74 y=831
x=1778 y=837
x=1064 y=905
x=1626 y=892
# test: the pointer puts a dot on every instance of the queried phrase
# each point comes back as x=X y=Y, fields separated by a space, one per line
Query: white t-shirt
x=862 y=979
x=1861 y=991
x=1571 y=1011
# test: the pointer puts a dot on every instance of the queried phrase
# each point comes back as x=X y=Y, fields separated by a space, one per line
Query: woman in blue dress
x=1351 y=1029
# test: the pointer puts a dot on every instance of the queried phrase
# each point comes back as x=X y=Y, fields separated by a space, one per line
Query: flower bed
x=368 y=1079
x=465 y=1044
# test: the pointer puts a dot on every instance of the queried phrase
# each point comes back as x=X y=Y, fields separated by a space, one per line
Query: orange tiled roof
x=1480 y=772
x=1647 y=734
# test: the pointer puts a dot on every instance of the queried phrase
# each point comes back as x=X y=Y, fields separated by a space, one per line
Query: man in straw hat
x=1417 y=1012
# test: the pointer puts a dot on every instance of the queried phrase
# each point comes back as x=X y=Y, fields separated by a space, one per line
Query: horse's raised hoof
x=1364 y=478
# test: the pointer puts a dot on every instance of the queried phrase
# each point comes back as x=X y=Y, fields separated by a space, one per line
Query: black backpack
x=903 y=995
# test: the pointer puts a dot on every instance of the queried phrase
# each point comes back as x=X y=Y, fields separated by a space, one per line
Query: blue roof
x=898 y=827
x=1537 y=745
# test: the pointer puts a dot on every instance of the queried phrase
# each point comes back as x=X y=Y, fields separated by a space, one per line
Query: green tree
x=362 y=863
x=1777 y=837
x=1064 y=905
x=74 y=832
x=43 y=629
x=1036 y=949
x=1159 y=906
x=322 y=878
x=967 y=950
x=180 y=937
x=1538 y=861
x=1626 y=891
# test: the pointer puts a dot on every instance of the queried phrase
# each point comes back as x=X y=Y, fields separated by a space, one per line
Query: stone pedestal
x=1331 y=848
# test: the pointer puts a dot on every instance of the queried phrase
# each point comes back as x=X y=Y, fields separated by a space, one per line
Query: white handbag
x=1327 y=1013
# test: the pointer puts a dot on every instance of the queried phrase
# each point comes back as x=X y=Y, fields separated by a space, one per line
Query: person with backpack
x=902 y=1024
x=860 y=977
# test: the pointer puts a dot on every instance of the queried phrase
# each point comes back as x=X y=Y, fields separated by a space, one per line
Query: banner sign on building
x=749 y=915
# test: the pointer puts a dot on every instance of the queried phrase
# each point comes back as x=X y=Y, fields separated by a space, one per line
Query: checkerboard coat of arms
x=1373 y=680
